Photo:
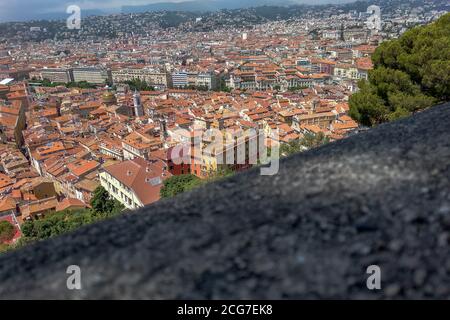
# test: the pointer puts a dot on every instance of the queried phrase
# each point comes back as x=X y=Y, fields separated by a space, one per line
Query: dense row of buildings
x=92 y=75
x=74 y=140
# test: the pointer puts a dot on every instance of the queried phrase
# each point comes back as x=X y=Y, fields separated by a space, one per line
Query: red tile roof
x=143 y=177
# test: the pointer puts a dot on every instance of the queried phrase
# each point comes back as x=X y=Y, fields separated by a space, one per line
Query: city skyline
x=55 y=9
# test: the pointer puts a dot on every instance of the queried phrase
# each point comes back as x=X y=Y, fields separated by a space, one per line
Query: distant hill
x=196 y=5
x=57 y=15
x=49 y=10
x=214 y=5
x=63 y=15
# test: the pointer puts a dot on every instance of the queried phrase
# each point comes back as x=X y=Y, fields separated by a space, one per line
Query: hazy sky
x=28 y=9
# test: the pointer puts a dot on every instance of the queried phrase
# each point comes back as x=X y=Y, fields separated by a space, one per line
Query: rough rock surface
x=380 y=197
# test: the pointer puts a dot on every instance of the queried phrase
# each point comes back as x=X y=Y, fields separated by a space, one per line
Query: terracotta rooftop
x=143 y=177
x=70 y=203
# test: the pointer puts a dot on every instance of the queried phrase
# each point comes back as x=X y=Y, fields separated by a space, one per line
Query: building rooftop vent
x=155 y=181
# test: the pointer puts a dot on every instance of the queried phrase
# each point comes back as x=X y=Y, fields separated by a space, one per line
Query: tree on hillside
x=308 y=141
x=58 y=223
x=410 y=74
x=178 y=184
x=7 y=231
x=314 y=140
x=366 y=107
x=102 y=203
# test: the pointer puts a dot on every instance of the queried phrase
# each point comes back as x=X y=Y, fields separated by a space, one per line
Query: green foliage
x=307 y=142
x=411 y=73
x=102 y=203
x=387 y=80
x=4 y=248
x=22 y=242
x=65 y=221
x=7 y=231
x=366 y=107
x=178 y=184
x=186 y=182
x=223 y=86
x=54 y=224
x=198 y=88
x=314 y=140
x=223 y=171
x=81 y=84
x=437 y=79
x=410 y=102
x=171 y=19
x=139 y=85
x=297 y=88
x=398 y=114
x=48 y=83
x=58 y=223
